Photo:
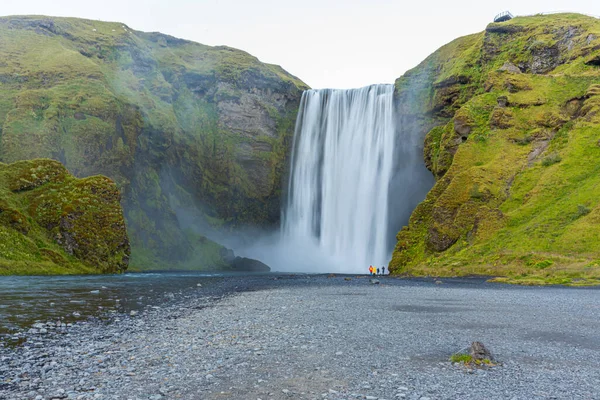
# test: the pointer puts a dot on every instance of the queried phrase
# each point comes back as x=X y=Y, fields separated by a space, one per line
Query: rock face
x=196 y=137
x=511 y=123
x=51 y=222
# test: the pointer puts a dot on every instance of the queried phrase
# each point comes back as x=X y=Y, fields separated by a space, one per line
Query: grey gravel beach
x=319 y=337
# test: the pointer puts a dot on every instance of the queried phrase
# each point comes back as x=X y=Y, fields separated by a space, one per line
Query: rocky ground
x=323 y=338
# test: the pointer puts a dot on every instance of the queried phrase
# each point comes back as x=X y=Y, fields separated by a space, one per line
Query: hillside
x=513 y=138
x=53 y=223
x=194 y=136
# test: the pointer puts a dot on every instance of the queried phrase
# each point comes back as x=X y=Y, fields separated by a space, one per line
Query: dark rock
x=594 y=60
x=479 y=352
x=249 y=265
x=440 y=241
x=453 y=80
x=502 y=101
x=544 y=58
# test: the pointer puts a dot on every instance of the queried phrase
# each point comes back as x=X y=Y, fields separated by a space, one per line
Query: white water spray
x=341 y=168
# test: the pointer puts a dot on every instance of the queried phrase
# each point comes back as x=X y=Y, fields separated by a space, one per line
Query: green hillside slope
x=194 y=136
x=513 y=122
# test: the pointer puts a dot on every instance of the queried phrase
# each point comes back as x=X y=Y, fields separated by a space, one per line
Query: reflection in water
x=25 y=300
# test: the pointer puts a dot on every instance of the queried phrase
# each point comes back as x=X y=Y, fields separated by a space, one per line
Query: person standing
x=382 y=270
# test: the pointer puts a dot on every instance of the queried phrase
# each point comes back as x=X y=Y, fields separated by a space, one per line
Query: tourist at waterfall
x=382 y=270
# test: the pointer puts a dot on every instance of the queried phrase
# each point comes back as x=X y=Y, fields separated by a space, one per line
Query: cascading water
x=342 y=163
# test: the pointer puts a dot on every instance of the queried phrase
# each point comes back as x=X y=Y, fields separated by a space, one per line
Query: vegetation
x=188 y=132
x=513 y=122
x=53 y=223
x=467 y=359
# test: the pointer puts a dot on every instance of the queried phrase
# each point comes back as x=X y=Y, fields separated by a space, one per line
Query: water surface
x=25 y=300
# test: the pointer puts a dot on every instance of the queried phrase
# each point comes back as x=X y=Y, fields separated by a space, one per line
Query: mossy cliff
x=512 y=123
x=194 y=136
x=54 y=223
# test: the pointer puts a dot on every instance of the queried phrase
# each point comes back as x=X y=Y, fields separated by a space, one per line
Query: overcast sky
x=326 y=43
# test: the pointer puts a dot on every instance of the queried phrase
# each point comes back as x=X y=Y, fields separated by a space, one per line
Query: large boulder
x=52 y=222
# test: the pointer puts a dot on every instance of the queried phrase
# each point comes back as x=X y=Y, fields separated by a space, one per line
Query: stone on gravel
x=479 y=352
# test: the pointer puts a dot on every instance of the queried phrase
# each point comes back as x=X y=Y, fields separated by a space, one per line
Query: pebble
x=179 y=349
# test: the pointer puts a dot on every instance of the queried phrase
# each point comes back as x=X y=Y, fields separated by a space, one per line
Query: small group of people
x=375 y=271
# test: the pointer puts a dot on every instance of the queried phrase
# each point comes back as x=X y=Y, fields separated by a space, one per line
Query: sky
x=326 y=43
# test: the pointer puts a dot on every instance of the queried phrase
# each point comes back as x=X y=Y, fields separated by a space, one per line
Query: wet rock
x=374 y=281
x=249 y=265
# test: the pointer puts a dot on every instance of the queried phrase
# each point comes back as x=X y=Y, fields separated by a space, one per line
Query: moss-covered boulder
x=512 y=132
x=53 y=223
x=196 y=137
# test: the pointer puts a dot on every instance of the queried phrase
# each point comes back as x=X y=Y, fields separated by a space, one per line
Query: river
x=25 y=300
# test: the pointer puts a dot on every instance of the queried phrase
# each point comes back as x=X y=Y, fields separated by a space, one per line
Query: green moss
x=519 y=198
x=51 y=222
x=461 y=358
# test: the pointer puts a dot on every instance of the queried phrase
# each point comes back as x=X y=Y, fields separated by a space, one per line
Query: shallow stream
x=25 y=300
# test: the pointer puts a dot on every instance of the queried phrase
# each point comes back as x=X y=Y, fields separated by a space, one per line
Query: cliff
x=53 y=223
x=194 y=136
x=512 y=124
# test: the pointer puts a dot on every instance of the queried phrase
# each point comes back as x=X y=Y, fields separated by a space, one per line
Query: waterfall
x=342 y=163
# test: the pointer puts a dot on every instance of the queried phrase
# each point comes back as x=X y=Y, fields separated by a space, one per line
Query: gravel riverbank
x=323 y=338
